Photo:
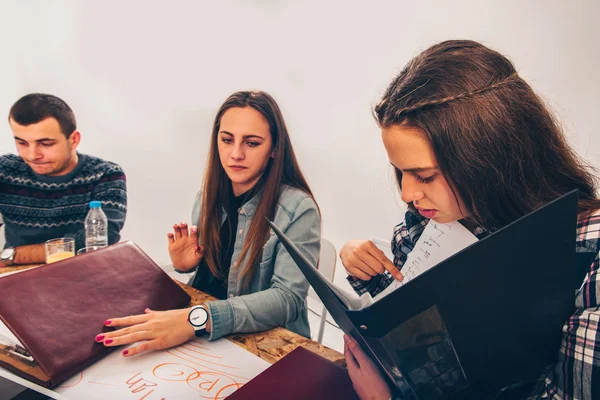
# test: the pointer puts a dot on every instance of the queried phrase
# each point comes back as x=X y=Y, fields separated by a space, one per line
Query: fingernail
x=107 y=322
x=99 y=338
x=346 y=338
x=126 y=352
x=146 y=309
x=108 y=341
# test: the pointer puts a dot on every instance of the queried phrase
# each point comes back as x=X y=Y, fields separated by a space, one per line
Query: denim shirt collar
x=248 y=208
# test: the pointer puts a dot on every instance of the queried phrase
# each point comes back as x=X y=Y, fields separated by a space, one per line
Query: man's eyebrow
x=39 y=140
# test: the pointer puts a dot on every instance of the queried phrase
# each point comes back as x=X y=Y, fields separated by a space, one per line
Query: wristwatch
x=7 y=255
x=198 y=318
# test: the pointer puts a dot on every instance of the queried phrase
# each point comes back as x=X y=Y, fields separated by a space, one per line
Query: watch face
x=7 y=254
x=198 y=317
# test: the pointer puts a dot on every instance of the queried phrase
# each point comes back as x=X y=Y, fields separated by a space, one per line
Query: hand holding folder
x=56 y=310
x=367 y=380
x=487 y=317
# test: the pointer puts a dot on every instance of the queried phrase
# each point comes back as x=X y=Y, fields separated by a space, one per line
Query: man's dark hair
x=36 y=107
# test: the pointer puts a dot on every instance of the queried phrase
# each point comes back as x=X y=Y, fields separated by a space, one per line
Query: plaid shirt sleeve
x=576 y=375
x=405 y=236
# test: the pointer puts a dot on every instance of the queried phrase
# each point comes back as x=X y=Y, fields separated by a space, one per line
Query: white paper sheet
x=4 y=331
x=437 y=242
x=197 y=369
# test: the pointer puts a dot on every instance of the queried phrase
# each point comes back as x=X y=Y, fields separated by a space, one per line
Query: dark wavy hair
x=496 y=143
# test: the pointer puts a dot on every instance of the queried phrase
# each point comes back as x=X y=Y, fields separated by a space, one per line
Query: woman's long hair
x=282 y=169
x=495 y=141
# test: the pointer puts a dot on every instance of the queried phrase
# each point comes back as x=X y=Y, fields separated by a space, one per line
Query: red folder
x=300 y=375
x=56 y=310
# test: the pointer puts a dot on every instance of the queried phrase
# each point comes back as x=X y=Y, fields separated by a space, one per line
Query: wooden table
x=270 y=345
x=12 y=269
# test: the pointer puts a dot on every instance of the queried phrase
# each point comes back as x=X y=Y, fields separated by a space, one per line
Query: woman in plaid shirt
x=471 y=141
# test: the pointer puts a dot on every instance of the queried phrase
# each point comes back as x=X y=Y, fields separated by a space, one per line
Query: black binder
x=487 y=317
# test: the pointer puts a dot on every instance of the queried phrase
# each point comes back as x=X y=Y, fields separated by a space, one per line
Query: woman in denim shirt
x=252 y=176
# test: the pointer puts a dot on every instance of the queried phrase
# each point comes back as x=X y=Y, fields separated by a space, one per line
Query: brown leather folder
x=300 y=375
x=56 y=310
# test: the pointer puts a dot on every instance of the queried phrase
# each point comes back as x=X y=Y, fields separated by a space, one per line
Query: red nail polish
x=126 y=352
x=107 y=322
x=108 y=341
x=99 y=338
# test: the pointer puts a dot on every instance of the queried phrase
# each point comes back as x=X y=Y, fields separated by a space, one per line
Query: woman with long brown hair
x=252 y=175
x=470 y=141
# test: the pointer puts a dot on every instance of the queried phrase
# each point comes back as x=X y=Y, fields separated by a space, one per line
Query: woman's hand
x=157 y=330
x=184 y=250
x=366 y=379
x=362 y=259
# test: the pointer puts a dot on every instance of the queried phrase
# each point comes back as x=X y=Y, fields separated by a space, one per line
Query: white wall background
x=145 y=79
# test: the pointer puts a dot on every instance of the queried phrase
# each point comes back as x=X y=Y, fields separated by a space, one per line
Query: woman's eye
x=426 y=180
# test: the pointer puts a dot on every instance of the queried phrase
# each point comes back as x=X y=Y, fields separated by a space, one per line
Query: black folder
x=487 y=317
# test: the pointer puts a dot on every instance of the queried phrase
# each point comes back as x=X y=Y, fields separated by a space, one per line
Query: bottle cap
x=95 y=204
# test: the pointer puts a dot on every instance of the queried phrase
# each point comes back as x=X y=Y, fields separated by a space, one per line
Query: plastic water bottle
x=96 y=227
